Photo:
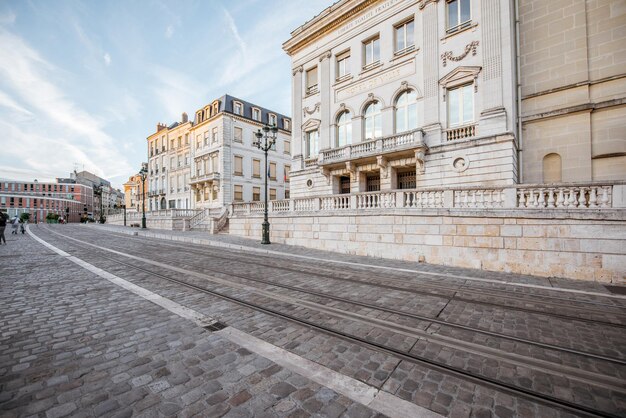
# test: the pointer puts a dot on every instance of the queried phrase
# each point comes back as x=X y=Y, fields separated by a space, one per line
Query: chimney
x=161 y=126
x=185 y=117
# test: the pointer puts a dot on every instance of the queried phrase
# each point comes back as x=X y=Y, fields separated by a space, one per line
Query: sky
x=83 y=83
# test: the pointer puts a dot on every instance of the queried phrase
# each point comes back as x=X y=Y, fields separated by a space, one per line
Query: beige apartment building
x=409 y=94
x=211 y=161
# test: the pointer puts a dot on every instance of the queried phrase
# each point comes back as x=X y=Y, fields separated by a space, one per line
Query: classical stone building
x=132 y=193
x=169 y=166
x=226 y=167
x=394 y=94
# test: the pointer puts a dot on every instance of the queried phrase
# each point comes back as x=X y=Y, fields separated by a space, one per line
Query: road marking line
x=202 y=241
x=356 y=390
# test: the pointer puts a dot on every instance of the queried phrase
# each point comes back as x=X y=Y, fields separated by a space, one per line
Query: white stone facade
x=433 y=63
x=469 y=122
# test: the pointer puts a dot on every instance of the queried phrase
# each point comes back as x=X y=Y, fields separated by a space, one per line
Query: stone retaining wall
x=589 y=246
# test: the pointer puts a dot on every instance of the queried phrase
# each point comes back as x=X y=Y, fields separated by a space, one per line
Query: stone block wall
x=553 y=243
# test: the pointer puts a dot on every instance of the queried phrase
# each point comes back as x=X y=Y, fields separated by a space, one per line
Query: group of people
x=17 y=224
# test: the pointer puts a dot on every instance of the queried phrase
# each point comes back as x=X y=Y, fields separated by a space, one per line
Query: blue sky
x=83 y=83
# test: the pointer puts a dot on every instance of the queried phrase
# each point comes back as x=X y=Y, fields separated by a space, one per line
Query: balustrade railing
x=515 y=197
x=461 y=132
x=373 y=146
x=310 y=162
x=566 y=197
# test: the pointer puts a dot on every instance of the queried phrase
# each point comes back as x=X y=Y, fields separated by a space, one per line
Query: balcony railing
x=374 y=147
x=462 y=132
x=578 y=197
x=205 y=177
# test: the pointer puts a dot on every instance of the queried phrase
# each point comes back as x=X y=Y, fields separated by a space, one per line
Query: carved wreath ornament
x=469 y=47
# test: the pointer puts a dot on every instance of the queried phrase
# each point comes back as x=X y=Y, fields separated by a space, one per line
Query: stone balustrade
x=374 y=147
x=519 y=197
x=462 y=132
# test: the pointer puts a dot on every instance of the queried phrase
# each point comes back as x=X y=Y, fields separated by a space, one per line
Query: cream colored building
x=226 y=167
x=132 y=193
x=424 y=93
x=169 y=166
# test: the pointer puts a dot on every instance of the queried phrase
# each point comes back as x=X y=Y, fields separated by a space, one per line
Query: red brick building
x=41 y=198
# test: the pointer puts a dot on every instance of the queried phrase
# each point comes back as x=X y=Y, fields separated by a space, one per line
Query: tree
x=25 y=217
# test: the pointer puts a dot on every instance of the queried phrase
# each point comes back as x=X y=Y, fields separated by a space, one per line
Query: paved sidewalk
x=239 y=243
x=73 y=344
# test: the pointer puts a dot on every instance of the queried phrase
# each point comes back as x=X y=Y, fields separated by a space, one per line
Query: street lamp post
x=142 y=173
x=124 y=207
x=269 y=139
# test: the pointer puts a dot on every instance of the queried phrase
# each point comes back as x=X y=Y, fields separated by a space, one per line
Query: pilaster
x=324 y=86
x=493 y=115
x=431 y=63
x=296 y=115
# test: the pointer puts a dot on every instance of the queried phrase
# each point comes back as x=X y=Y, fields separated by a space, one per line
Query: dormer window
x=256 y=114
x=216 y=108
x=237 y=108
x=271 y=118
x=286 y=124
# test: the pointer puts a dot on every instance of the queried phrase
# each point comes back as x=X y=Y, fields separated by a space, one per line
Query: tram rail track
x=510 y=388
x=461 y=288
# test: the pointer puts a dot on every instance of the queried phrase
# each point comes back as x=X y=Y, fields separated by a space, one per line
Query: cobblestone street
x=103 y=323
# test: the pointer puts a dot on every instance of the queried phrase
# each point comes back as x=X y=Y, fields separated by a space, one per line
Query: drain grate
x=216 y=326
x=618 y=290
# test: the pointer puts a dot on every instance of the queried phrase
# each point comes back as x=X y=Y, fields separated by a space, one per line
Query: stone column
x=296 y=112
x=324 y=86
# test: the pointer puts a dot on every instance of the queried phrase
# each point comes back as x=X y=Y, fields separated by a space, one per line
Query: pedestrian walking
x=23 y=227
x=3 y=225
x=15 y=224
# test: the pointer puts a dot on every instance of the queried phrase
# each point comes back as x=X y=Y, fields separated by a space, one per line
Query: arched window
x=552 y=168
x=373 y=121
x=406 y=111
x=344 y=129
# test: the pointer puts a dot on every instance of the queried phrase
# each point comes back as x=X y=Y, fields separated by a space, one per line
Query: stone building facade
x=394 y=94
x=226 y=167
x=132 y=193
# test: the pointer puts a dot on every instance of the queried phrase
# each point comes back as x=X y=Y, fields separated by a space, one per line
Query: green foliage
x=52 y=217
x=25 y=217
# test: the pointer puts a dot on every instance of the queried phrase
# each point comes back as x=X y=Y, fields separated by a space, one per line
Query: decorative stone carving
x=297 y=70
x=419 y=161
x=325 y=55
x=307 y=111
x=383 y=166
x=351 y=167
x=448 y=54
x=460 y=164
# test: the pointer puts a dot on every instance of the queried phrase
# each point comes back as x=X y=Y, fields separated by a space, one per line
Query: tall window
x=311 y=80
x=344 y=129
x=404 y=36
x=272 y=172
x=461 y=105
x=373 y=121
x=287 y=147
x=311 y=144
x=256 y=168
x=371 y=51
x=343 y=65
x=459 y=14
x=237 y=108
x=238 y=165
x=256 y=114
x=256 y=194
x=214 y=135
x=271 y=119
x=214 y=163
x=238 y=136
x=287 y=171
x=238 y=193
x=272 y=194
x=406 y=111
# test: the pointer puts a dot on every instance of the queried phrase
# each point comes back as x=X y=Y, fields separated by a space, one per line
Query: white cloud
x=174 y=90
x=107 y=58
x=8 y=102
x=7 y=18
x=81 y=138
x=169 y=31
